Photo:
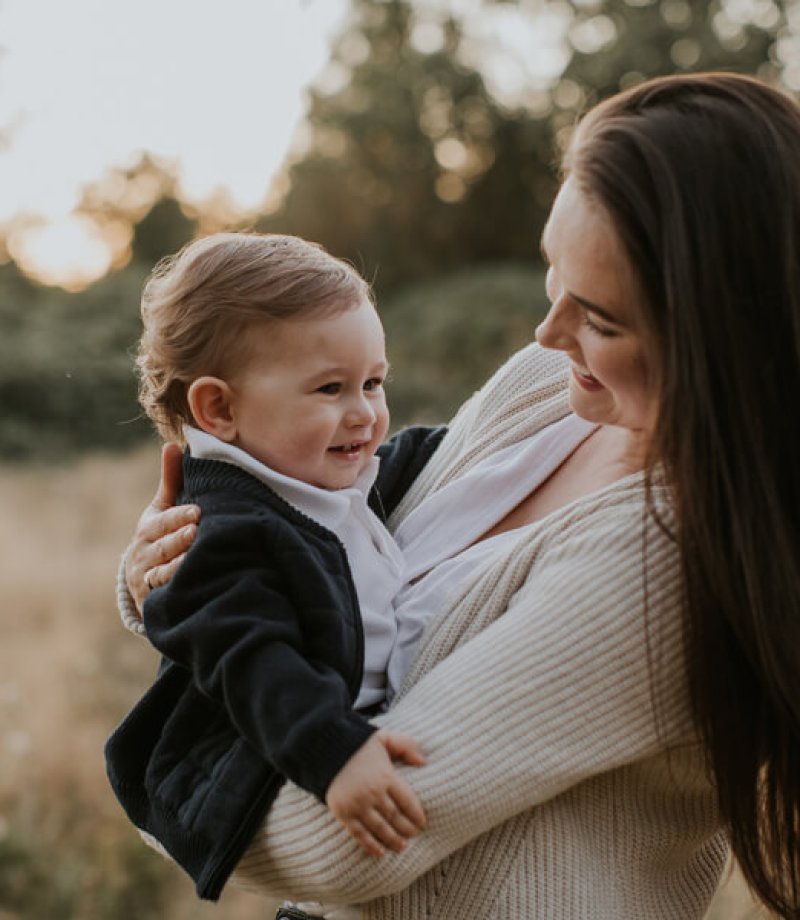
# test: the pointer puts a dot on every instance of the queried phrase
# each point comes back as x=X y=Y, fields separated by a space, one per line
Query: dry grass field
x=68 y=672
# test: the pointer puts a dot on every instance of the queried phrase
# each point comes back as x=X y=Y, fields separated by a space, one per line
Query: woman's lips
x=586 y=380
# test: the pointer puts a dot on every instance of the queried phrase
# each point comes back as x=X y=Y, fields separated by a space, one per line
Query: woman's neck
x=616 y=452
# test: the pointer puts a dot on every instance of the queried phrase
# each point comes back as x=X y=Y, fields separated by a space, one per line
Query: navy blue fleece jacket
x=263 y=655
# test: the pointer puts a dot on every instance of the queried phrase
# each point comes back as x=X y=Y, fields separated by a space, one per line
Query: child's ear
x=211 y=403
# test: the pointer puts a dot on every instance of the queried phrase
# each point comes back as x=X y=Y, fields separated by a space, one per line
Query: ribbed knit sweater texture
x=564 y=779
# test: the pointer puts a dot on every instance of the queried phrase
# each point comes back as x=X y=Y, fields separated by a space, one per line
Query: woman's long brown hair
x=701 y=177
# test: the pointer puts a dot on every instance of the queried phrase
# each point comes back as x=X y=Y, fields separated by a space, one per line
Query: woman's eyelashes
x=595 y=327
x=554 y=292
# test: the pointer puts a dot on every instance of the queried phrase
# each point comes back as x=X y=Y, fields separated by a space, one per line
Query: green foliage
x=654 y=39
x=375 y=183
x=162 y=231
x=66 y=379
x=370 y=187
x=66 y=365
x=445 y=337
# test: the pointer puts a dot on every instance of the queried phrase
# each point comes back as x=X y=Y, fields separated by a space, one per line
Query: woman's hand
x=163 y=534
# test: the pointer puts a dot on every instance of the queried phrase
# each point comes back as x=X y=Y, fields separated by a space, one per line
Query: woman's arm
x=554 y=691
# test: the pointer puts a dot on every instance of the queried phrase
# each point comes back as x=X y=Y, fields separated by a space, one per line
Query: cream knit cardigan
x=563 y=776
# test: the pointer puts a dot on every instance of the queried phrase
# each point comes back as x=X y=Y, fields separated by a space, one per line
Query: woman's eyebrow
x=600 y=311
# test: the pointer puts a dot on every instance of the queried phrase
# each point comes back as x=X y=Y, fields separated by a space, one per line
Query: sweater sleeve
x=226 y=617
x=402 y=458
x=555 y=690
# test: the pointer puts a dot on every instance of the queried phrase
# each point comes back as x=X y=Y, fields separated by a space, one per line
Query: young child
x=265 y=356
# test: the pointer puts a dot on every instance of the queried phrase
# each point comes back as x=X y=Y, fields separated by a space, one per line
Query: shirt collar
x=326 y=506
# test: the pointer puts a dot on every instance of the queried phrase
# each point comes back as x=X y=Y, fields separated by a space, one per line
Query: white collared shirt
x=376 y=563
x=440 y=538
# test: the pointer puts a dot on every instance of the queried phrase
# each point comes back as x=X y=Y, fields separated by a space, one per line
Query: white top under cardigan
x=438 y=538
x=564 y=777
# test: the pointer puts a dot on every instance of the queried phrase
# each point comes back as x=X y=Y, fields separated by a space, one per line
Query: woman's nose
x=553 y=331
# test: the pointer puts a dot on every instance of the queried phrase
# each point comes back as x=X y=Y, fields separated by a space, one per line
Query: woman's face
x=593 y=316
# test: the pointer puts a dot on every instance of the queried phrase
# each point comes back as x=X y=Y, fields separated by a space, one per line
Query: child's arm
x=229 y=619
x=402 y=458
x=374 y=803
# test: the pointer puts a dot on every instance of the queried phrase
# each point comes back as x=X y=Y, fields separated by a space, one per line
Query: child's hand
x=375 y=804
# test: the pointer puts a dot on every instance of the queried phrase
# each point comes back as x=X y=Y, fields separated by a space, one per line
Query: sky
x=217 y=89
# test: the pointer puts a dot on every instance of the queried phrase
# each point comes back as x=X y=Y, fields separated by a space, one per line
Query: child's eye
x=374 y=383
x=595 y=327
x=331 y=389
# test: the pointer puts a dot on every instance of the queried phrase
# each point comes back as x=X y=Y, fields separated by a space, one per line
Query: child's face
x=310 y=403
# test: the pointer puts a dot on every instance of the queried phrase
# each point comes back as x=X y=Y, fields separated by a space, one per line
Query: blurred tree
x=18 y=296
x=140 y=211
x=409 y=167
x=66 y=381
x=619 y=42
x=162 y=231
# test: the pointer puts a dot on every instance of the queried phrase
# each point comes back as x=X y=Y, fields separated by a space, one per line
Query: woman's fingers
x=164 y=532
x=160 y=559
x=157 y=524
x=159 y=544
x=165 y=550
x=161 y=574
x=171 y=479
x=161 y=516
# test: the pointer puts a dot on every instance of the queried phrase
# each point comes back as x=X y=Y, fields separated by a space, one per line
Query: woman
x=611 y=696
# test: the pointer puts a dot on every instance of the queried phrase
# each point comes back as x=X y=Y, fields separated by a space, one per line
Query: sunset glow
x=88 y=86
x=66 y=251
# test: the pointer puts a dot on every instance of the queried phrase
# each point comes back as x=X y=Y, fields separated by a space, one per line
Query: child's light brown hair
x=198 y=305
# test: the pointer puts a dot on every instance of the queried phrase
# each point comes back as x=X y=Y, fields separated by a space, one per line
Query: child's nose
x=361 y=412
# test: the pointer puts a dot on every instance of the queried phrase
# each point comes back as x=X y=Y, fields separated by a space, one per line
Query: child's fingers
x=401 y=823
x=364 y=837
x=407 y=804
x=402 y=747
x=380 y=828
